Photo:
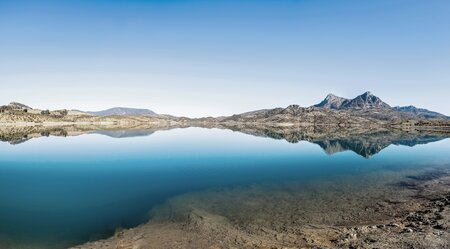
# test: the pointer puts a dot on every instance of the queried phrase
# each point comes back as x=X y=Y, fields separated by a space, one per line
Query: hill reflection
x=363 y=142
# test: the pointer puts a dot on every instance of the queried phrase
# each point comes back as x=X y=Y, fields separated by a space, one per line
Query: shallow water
x=57 y=192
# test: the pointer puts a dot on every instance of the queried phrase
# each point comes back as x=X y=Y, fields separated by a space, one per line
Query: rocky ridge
x=365 y=110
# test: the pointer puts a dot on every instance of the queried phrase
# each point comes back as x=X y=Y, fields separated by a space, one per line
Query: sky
x=212 y=58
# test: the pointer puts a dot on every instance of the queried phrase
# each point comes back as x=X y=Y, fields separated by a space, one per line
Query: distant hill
x=15 y=106
x=124 y=111
x=419 y=112
x=119 y=111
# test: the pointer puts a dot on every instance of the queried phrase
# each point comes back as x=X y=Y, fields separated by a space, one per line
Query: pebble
x=408 y=230
x=370 y=240
x=351 y=236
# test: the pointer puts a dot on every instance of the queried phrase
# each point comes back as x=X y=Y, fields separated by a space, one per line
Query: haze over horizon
x=203 y=58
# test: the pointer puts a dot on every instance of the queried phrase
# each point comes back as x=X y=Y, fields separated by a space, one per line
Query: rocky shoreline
x=418 y=218
x=426 y=226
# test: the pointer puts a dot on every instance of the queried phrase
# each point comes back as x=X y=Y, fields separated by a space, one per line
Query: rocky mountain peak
x=331 y=96
x=332 y=101
x=365 y=100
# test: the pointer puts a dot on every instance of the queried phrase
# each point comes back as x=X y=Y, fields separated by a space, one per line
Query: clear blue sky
x=200 y=58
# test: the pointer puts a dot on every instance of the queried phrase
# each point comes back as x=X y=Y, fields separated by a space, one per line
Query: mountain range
x=363 y=101
x=369 y=101
x=365 y=109
x=334 y=110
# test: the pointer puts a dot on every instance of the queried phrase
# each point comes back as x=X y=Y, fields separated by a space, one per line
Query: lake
x=57 y=192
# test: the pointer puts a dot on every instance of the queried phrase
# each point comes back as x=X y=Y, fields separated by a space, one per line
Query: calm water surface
x=57 y=192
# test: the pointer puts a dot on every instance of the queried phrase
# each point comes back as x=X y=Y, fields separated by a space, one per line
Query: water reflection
x=60 y=192
x=364 y=142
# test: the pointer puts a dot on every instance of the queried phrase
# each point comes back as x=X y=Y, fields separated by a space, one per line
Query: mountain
x=332 y=102
x=419 y=112
x=296 y=115
x=367 y=101
x=365 y=110
x=124 y=111
x=364 y=101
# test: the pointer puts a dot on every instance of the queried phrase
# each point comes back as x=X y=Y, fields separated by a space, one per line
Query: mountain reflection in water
x=365 y=143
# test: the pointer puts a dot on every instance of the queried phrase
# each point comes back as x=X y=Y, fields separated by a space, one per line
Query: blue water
x=57 y=192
